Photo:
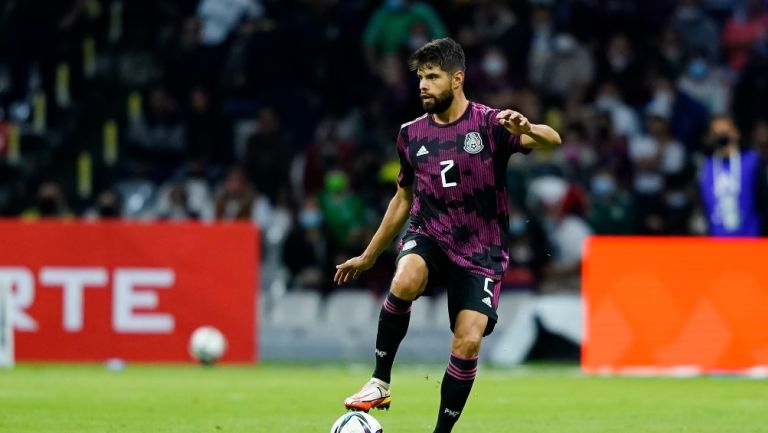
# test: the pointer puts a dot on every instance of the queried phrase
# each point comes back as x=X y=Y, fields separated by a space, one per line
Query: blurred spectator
x=220 y=18
x=50 y=202
x=706 y=85
x=751 y=93
x=528 y=248
x=730 y=185
x=670 y=56
x=400 y=25
x=176 y=206
x=742 y=30
x=542 y=39
x=624 y=120
x=268 y=85
x=159 y=136
x=621 y=66
x=493 y=20
x=237 y=199
x=492 y=82
x=309 y=251
x=204 y=130
x=697 y=31
x=576 y=156
x=611 y=149
x=760 y=139
x=107 y=206
x=611 y=208
x=268 y=154
x=343 y=210
x=656 y=156
x=565 y=230
x=687 y=117
x=564 y=71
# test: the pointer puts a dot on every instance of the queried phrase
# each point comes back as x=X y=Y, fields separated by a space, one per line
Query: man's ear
x=458 y=79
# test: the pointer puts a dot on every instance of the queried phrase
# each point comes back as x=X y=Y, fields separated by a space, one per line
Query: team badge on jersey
x=473 y=143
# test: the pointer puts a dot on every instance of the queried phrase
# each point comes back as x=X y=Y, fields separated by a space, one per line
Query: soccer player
x=452 y=183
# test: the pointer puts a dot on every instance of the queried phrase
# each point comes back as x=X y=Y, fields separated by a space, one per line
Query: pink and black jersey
x=458 y=175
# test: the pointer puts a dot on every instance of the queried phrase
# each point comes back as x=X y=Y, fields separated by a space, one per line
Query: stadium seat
x=440 y=311
x=295 y=309
x=421 y=314
x=351 y=309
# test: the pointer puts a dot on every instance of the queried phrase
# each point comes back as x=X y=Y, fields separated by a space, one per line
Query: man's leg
x=462 y=368
x=408 y=283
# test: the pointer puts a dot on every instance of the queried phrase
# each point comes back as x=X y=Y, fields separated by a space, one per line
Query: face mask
x=416 y=41
x=687 y=13
x=607 y=102
x=722 y=141
x=516 y=226
x=603 y=186
x=108 y=211
x=493 y=66
x=618 y=62
x=395 y=5
x=310 y=219
x=698 y=70
x=676 y=200
x=47 y=206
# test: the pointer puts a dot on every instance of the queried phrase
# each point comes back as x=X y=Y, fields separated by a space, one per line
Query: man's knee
x=467 y=346
x=408 y=286
x=468 y=333
x=410 y=278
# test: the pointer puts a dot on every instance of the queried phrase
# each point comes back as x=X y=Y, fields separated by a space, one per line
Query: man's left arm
x=532 y=135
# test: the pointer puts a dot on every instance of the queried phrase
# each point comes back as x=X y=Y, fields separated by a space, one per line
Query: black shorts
x=466 y=291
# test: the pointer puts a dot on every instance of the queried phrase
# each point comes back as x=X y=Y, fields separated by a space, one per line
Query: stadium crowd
x=284 y=113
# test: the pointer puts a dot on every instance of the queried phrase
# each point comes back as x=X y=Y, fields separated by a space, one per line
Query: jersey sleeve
x=505 y=141
x=405 y=178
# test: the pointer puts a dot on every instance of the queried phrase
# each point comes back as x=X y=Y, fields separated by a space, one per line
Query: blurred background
x=284 y=113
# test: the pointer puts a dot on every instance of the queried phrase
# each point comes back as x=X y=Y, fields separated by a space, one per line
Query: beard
x=439 y=103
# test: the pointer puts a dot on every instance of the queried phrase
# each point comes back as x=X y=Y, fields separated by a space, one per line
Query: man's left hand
x=515 y=122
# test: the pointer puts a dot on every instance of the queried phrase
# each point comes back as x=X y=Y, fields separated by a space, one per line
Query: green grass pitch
x=281 y=399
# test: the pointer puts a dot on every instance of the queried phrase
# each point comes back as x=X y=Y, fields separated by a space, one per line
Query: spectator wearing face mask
x=309 y=251
x=729 y=183
x=399 y=25
x=707 y=85
x=566 y=71
x=49 y=203
x=698 y=31
x=611 y=209
x=492 y=82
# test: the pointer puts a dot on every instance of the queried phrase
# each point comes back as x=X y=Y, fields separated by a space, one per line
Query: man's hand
x=515 y=122
x=351 y=269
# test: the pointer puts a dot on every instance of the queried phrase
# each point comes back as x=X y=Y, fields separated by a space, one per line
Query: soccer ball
x=356 y=422
x=207 y=345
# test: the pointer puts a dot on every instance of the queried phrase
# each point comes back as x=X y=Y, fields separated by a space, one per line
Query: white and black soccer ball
x=207 y=345
x=356 y=422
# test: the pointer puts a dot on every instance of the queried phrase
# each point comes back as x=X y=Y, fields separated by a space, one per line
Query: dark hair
x=445 y=53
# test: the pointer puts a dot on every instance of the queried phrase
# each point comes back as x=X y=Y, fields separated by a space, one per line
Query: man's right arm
x=396 y=215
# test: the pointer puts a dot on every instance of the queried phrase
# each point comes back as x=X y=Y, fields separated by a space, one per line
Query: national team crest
x=473 y=143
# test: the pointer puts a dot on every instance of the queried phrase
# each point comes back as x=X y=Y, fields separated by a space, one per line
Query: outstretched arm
x=397 y=213
x=532 y=135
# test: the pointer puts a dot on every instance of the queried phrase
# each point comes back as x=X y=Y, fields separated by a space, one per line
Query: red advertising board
x=92 y=291
x=675 y=305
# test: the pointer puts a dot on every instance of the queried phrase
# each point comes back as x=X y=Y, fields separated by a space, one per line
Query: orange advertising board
x=136 y=291
x=675 y=304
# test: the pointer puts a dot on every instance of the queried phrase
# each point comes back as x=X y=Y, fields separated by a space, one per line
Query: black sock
x=393 y=324
x=454 y=391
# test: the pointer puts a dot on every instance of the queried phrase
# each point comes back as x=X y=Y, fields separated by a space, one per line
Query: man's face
x=435 y=88
x=722 y=128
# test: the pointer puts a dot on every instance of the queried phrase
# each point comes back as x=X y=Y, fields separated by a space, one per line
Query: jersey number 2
x=447 y=165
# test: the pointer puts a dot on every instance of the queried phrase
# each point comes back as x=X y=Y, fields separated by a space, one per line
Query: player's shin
x=393 y=325
x=454 y=391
